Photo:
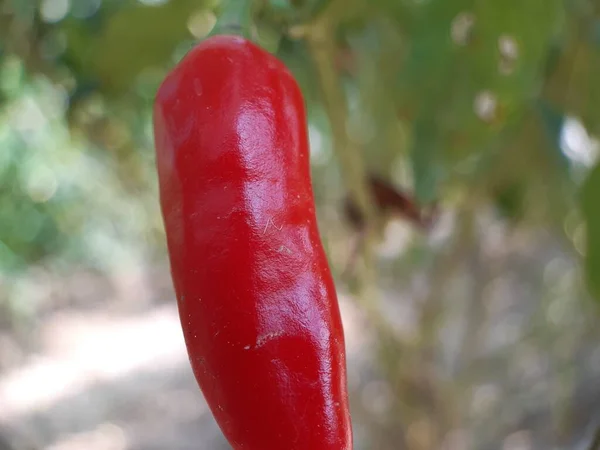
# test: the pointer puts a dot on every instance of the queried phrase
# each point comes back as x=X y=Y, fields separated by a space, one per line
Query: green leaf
x=470 y=71
x=105 y=56
x=573 y=84
x=425 y=157
x=552 y=123
x=235 y=17
x=24 y=9
x=282 y=5
x=590 y=205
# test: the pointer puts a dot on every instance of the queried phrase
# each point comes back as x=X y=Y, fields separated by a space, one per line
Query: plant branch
x=320 y=40
x=595 y=442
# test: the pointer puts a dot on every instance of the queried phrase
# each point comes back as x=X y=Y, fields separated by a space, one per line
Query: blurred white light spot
x=357 y=341
x=555 y=269
x=54 y=10
x=317 y=149
x=509 y=53
x=456 y=440
x=461 y=28
x=557 y=312
x=153 y=2
x=442 y=230
x=105 y=437
x=41 y=184
x=577 y=144
x=396 y=238
x=484 y=399
x=25 y=288
x=506 y=332
x=521 y=440
x=28 y=118
x=485 y=105
x=579 y=239
x=201 y=23
x=88 y=349
x=508 y=47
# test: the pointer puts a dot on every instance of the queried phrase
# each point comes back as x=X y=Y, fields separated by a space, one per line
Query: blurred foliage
x=481 y=106
x=457 y=98
x=592 y=214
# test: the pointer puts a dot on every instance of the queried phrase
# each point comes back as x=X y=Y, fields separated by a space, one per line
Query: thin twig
x=595 y=442
x=319 y=37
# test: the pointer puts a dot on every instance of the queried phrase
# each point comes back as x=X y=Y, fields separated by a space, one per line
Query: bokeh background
x=479 y=332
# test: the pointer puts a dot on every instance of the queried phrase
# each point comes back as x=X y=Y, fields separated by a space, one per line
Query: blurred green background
x=479 y=333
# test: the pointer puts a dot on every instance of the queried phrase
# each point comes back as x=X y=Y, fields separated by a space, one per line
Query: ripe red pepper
x=255 y=294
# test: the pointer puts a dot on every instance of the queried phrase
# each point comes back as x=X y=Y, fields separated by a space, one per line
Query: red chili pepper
x=255 y=294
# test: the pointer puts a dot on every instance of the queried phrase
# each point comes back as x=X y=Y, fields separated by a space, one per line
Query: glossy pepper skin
x=255 y=294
